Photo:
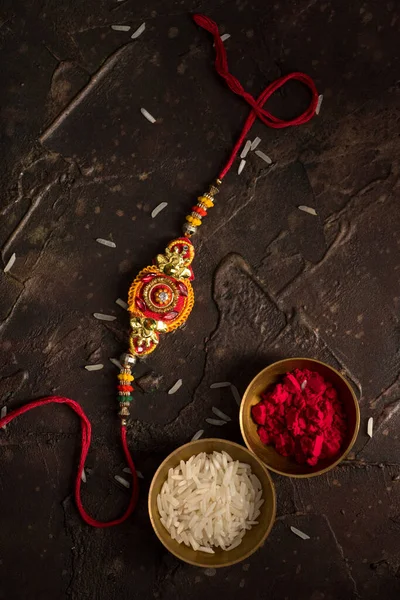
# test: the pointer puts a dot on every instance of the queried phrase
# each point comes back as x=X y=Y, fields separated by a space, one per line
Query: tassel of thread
x=221 y=66
x=86 y=431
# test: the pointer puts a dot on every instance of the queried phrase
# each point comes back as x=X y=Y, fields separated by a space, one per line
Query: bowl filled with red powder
x=300 y=417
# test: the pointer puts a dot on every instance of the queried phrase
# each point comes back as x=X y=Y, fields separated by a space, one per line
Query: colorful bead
x=126 y=376
x=201 y=211
x=189 y=229
x=208 y=202
x=193 y=221
x=125 y=388
x=128 y=360
x=123 y=399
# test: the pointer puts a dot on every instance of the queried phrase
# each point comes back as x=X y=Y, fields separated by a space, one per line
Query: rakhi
x=161 y=297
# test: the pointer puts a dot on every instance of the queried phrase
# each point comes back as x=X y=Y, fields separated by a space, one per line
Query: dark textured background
x=79 y=162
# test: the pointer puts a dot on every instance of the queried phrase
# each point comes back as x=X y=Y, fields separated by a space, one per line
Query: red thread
x=86 y=439
x=221 y=65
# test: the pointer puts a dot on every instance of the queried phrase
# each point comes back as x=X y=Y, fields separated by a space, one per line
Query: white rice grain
x=236 y=395
x=106 y=242
x=308 y=209
x=225 y=37
x=197 y=435
x=147 y=115
x=121 y=303
x=217 y=422
x=94 y=367
x=304 y=384
x=241 y=166
x=122 y=481
x=299 y=533
x=175 y=387
x=102 y=317
x=10 y=263
x=138 y=31
x=264 y=157
x=370 y=427
x=246 y=149
x=220 y=384
x=220 y=414
x=255 y=143
x=120 y=27
x=83 y=476
x=158 y=209
x=115 y=362
x=3 y=413
x=318 y=108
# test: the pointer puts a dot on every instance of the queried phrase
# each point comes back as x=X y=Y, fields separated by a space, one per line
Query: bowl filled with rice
x=300 y=416
x=212 y=503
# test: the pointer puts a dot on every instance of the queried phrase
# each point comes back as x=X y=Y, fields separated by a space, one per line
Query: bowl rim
x=273 y=500
x=349 y=445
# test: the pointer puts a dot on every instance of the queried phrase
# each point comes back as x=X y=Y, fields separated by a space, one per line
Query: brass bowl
x=253 y=539
x=269 y=456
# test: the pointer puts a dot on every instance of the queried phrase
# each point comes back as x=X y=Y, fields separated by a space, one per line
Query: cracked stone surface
x=80 y=162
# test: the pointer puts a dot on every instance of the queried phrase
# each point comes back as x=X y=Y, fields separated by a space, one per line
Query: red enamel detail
x=182 y=288
x=170 y=316
x=140 y=304
x=149 y=277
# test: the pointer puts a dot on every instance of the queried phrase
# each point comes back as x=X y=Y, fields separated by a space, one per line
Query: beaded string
x=174 y=271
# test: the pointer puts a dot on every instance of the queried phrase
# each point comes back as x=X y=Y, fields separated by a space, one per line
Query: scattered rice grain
x=121 y=27
x=220 y=384
x=236 y=395
x=122 y=481
x=197 y=435
x=115 y=362
x=3 y=413
x=241 y=166
x=246 y=149
x=225 y=37
x=121 y=303
x=255 y=143
x=106 y=242
x=318 y=108
x=83 y=476
x=220 y=414
x=304 y=384
x=147 y=115
x=102 y=317
x=264 y=157
x=218 y=422
x=299 y=533
x=175 y=387
x=138 y=31
x=308 y=209
x=158 y=209
x=94 y=367
x=370 y=427
x=10 y=263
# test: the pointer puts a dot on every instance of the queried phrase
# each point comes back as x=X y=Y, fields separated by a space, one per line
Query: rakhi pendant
x=161 y=298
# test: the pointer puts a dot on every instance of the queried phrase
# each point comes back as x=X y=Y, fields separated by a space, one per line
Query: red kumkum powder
x=302 y=417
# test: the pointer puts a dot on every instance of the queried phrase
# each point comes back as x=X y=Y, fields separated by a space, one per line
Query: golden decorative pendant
x=161 y=297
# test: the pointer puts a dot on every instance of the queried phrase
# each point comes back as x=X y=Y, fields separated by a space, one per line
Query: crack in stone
x=341 y=552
